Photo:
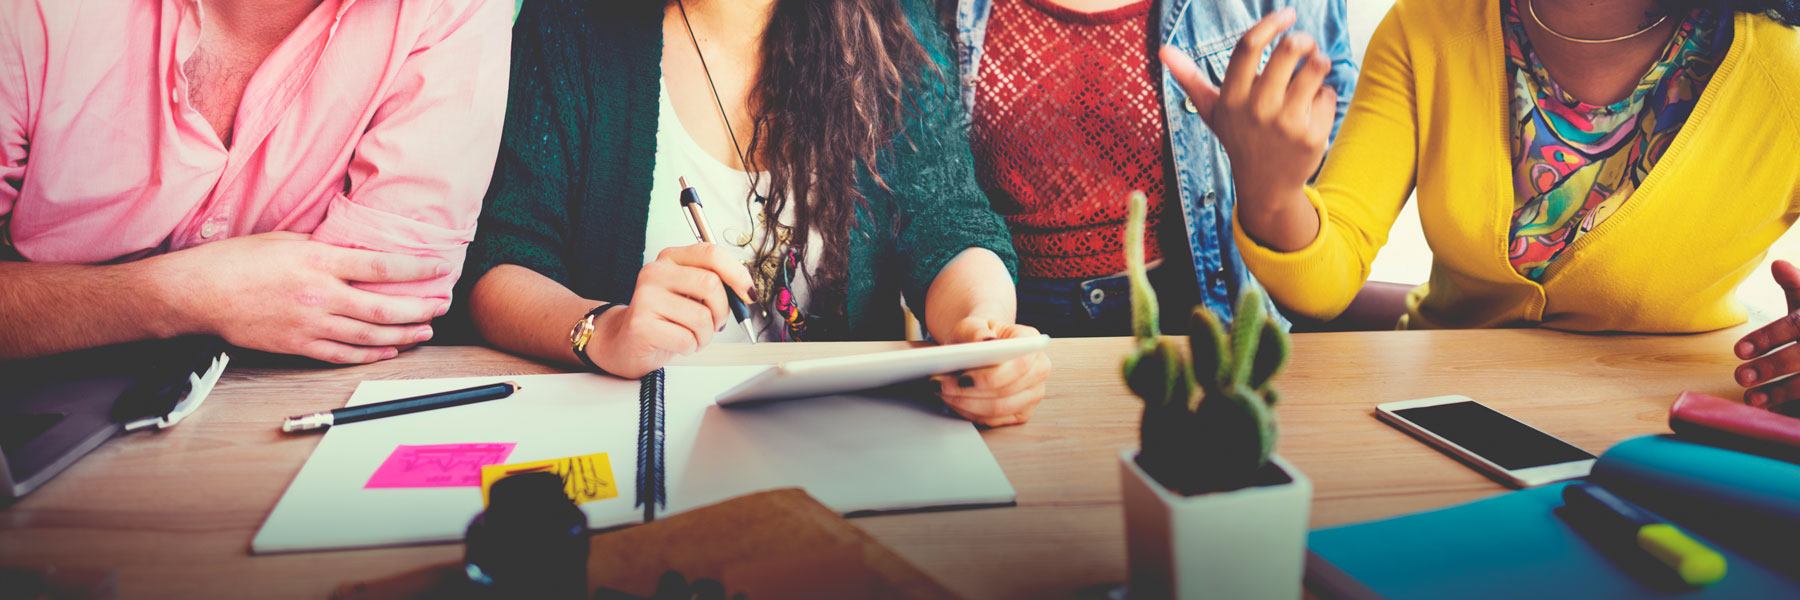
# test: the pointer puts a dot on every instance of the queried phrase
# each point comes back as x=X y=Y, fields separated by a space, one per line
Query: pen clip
x=688 y=194
x=696 y=212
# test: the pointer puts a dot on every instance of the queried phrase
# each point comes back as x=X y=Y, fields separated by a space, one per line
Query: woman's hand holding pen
x=1004 y=394
x=1275 y=125
x=1770 y=353
x=677 y=307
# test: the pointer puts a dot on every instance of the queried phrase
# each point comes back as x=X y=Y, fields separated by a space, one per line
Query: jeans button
x=1188 y=104
x=1096 y=296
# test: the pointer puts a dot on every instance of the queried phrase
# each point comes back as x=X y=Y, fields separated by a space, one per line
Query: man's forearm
x=53 y=308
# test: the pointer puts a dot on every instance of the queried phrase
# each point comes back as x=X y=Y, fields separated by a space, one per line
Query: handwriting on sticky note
x=442 y=465
x=585 y=478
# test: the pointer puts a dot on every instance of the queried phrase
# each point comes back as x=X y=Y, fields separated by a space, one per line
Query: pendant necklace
x=756 y=198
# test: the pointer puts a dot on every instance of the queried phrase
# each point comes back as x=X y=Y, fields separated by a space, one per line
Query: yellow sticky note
x=585 y=478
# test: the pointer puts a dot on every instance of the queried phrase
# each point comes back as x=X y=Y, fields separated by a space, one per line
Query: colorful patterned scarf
x=1574 y=163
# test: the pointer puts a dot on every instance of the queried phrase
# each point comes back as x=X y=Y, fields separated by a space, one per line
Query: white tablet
x=823 y=376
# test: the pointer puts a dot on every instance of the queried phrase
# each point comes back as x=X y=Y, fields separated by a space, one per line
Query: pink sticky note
x=442 y=465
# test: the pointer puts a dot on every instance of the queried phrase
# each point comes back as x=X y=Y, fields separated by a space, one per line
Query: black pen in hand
x=690 y=202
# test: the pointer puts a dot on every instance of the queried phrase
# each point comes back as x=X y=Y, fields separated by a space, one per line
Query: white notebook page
x=854 y=454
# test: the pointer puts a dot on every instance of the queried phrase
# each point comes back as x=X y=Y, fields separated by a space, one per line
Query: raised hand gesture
x=1275 y=124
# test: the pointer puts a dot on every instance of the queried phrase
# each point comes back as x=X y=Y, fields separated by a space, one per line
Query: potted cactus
x=1210 y=510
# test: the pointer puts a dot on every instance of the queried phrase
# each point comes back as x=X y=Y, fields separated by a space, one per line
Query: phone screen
x=1493 y=436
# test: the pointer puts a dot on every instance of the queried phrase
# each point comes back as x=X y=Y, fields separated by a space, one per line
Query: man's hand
x=1769 y=353
x=1003 y=394
x=281 y=292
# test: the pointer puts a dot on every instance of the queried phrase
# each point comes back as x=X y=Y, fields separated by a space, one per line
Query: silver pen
x=690 y=200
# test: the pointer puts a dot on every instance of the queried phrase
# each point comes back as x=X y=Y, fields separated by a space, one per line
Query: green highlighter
x=1620 y=520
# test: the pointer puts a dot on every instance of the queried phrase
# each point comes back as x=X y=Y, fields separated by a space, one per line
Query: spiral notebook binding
x=651 y=490
x=659 y=444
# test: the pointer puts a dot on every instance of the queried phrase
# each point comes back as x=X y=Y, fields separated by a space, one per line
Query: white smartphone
x=1500 y=446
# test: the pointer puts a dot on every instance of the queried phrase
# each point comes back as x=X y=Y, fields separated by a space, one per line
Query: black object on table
x=531 y=542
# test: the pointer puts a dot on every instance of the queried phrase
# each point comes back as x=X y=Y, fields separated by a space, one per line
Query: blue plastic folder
x=1517 y=545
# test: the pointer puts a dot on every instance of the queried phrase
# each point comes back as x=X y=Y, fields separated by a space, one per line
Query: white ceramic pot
x=1244 y=544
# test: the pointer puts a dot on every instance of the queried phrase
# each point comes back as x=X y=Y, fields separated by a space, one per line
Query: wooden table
x=173 y=512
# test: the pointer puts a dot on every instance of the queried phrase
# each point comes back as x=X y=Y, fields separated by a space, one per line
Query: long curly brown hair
x=836 y=83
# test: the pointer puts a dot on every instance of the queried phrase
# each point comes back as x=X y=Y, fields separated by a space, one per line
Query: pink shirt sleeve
x=419 y=173
x=21 y=45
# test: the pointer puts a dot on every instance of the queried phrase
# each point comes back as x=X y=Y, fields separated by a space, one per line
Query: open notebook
x=854 y=453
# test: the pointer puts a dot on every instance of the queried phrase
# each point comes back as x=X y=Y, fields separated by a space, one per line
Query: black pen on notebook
x=690 y=203
x=352 y=414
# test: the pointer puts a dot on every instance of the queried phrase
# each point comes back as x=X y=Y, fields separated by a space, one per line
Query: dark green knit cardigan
x=572 y=184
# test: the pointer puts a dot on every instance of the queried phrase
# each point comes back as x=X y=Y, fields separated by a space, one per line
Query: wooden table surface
x=173 y=512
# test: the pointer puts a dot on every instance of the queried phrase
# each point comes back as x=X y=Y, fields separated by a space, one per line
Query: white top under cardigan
x=725 y=194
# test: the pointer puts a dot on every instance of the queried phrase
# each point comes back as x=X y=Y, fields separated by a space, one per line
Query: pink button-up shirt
x=374 y=124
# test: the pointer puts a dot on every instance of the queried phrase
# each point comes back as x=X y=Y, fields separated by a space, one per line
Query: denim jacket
x=1207 y=30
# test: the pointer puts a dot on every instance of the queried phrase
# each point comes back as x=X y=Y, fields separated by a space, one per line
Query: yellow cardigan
x=1431 y=109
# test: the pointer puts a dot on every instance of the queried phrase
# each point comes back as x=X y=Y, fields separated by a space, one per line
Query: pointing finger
x=1187 y=74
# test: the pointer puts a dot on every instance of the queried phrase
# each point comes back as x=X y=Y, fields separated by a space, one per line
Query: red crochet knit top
x=1067 y=121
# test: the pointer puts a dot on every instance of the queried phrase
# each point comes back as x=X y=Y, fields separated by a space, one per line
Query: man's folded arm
x=418 y=174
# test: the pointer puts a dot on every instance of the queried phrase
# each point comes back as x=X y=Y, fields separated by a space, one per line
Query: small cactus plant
x=1209 y=420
